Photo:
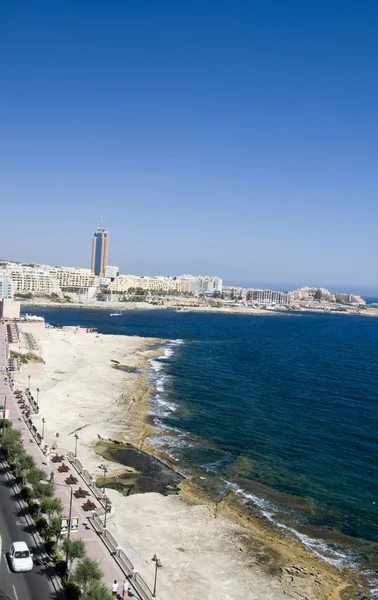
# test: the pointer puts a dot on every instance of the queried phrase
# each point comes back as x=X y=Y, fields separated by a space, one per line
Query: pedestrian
x=125 y=588
x=115 y=589
x=22 y=439
x=52 y=475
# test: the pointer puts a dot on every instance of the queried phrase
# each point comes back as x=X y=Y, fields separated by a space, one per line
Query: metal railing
x=138 y=583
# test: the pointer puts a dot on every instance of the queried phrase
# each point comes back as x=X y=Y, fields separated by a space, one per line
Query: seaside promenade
x=90 y=526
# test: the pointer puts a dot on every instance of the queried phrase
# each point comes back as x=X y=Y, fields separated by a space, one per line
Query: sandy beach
x=208 y=551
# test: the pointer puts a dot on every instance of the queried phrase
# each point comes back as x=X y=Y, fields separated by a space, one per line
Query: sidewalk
x=95 y=548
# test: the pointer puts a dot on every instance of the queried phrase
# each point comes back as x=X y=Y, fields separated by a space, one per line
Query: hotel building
x=100 y=251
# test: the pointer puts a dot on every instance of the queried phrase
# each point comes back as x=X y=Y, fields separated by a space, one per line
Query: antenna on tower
x=101 y=222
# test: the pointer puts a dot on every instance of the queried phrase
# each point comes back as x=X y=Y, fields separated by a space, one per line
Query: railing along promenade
x=139 y=585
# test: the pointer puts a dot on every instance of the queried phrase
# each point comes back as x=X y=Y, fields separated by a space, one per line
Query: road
x=14 y=526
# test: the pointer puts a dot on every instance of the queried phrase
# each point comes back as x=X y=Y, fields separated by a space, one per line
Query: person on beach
x=115 y=589
x=125 y=589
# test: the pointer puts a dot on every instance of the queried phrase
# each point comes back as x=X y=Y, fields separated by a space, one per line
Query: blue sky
x=229 y=138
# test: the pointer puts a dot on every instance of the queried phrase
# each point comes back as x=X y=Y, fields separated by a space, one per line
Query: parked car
x=20 y=557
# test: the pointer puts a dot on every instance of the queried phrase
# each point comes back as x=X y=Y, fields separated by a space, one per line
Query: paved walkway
x=94 y=545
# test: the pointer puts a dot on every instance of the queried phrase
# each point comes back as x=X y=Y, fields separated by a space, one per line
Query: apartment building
x=6 y=289
x=268 y=297
x=30 y=278
x=111 y=272
x=74 y=278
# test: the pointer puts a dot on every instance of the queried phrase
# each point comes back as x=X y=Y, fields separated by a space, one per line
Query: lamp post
x=43 y=427
x=37 y=396
x=158 y=564
x=106 y=512
x=44 y=482
x=105 y=469
x=76 y=438
x=29 y=383
x=4 y=411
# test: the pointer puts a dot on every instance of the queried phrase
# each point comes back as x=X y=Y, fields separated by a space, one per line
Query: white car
x=20 y=557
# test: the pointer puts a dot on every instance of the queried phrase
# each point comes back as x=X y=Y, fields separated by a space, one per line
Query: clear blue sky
x=230 y=138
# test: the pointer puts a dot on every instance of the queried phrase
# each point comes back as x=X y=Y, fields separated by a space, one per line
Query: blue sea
x=281 y=409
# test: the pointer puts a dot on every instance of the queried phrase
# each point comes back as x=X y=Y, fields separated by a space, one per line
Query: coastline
x=177 y=306
x=201 y=538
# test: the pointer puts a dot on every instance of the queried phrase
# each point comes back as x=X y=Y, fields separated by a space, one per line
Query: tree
x=51 y=506
x=26 y=461
x=35 y=475
x=73 y=549
x=54 y=528
x=10 y=442
x=87 y=573
x=97 y=591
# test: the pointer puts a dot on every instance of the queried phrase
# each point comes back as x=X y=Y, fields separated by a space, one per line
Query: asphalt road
x=15 y=526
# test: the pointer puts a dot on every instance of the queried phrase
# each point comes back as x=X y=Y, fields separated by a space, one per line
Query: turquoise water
x=281 y=408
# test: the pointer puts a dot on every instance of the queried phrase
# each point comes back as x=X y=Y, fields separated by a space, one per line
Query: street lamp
x=4 y=411
x=44 y=482
x=43 y=427
x=37 y=396
x=29 y=383
x=158 y=564
x=76 y=438
x=106 y=511
x=105 y=469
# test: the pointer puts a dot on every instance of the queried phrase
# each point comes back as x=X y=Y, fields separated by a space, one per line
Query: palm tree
x=73 y=549
x=87 y=573
x=97 y=591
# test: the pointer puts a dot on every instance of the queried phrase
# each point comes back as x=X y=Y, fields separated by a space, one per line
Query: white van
x=20 y=557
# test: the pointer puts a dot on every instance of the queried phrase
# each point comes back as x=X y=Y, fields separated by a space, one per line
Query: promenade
x=100 y=544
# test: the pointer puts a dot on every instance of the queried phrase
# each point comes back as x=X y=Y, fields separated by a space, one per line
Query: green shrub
x=72 y=590
x=26 y=493
x=34 y=509
x=61 y=567
x=42 y=526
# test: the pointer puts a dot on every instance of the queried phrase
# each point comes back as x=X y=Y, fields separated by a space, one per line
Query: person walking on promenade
x=125 y=589
x=52 y=476
x=115 y=589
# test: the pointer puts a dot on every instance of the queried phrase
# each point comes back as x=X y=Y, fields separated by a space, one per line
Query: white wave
x=155 y=364
x=168 y=352
x=317 y=546
x=160 y=383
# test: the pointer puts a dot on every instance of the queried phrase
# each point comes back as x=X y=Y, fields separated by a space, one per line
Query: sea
x=281 y=409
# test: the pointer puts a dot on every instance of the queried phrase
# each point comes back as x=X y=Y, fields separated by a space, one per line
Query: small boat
x=116 y=314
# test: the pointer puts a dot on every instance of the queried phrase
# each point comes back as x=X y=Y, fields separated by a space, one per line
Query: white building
x=74 y=278
x=30 y=278
x=6 y=289
x=111 y=272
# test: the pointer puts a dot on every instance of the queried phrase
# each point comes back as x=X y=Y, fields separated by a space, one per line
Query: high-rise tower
x=100 y=251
